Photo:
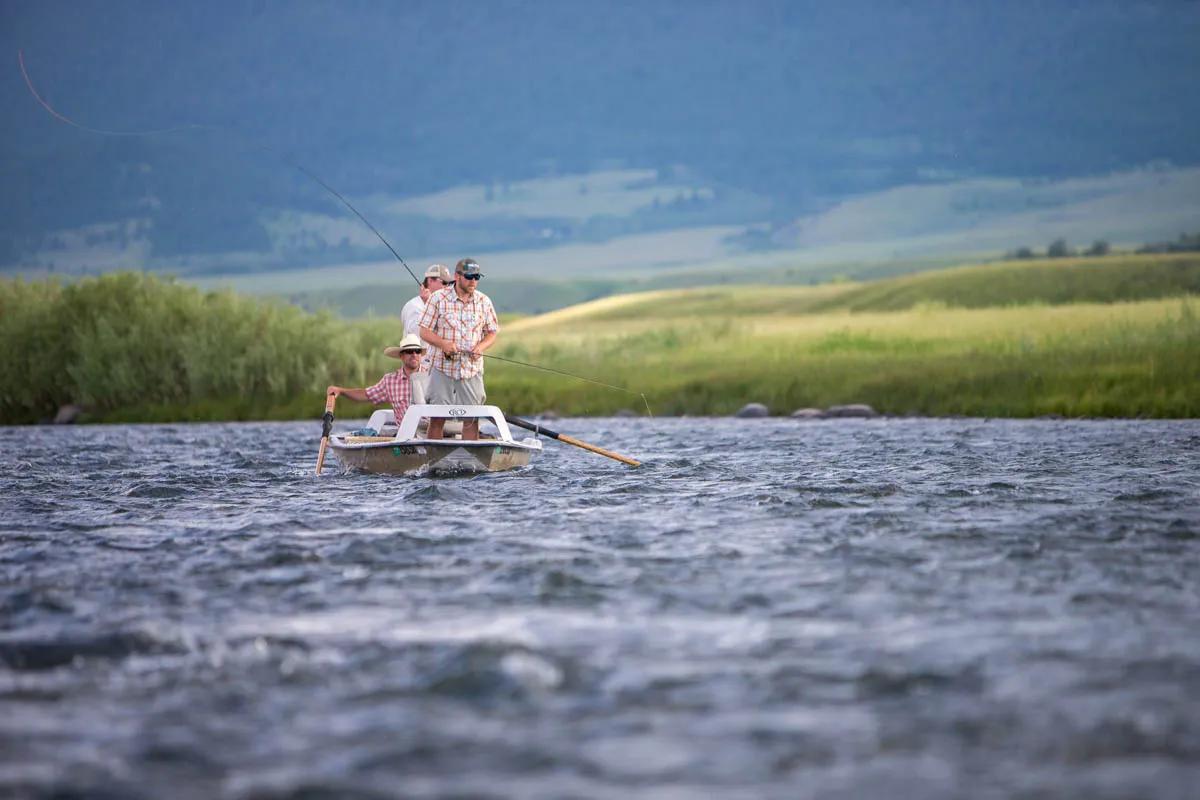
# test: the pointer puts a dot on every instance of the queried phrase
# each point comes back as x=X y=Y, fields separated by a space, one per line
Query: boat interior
x=383 y=422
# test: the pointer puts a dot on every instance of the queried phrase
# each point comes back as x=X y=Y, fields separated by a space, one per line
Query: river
x=766 y=609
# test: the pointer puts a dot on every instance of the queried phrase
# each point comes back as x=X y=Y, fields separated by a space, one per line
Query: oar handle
x=544 y=431
x=326 y=427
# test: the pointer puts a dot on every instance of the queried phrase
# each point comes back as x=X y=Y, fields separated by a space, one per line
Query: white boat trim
x=406 y=432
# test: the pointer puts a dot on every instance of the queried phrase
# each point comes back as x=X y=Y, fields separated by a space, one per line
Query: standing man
x=459 y=324
x=401 y=388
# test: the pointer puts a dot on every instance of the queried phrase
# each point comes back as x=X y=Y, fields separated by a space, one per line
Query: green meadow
x=1112 y=337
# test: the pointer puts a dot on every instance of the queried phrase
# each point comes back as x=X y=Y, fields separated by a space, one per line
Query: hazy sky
x=800 y=102
x=592 y=80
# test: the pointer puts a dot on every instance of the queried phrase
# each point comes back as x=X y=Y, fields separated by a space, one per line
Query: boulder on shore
x=808 y=413
x=550 y=414
x=852 y=410
x=68 y=414
x=752 y=411
x=625 y=412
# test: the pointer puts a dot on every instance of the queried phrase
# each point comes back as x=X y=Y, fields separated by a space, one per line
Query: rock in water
x=853 y=410
x=808 y=413
x=68 y=414
x=752 y=411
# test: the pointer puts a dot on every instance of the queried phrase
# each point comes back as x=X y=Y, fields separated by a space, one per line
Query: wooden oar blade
x=599 y=450
x=321 y=454
x=326 y=428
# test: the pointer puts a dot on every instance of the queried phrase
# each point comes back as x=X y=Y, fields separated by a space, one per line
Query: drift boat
x=403 y=449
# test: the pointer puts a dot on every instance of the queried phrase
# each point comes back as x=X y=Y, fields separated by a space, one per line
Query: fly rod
x=572 y=375
x=230 y=131
x=314 y=177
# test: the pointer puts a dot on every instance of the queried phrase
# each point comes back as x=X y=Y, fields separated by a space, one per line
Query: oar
x=562 y=437
x=326 y=427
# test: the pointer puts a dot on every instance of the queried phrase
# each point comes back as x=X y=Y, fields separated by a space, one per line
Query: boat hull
x=449 y=458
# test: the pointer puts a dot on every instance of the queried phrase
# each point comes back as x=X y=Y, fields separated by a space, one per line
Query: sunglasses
x=472 y=276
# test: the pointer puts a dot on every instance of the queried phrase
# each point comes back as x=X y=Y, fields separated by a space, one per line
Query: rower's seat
x=384 y=421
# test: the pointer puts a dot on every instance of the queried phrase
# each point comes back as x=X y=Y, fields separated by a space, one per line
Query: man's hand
x=474 y=352
x=449 y=352
x=425 y=293
x=334 y=390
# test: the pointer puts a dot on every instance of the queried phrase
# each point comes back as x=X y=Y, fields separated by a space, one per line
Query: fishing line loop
x=313 y=176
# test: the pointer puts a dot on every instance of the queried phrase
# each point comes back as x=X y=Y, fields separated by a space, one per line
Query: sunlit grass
x=131 y=347
x=1128 y=359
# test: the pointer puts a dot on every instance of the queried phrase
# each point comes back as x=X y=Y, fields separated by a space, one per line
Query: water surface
x=768 y=608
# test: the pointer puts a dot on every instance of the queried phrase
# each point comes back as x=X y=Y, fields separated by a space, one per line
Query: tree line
x=1186 y=243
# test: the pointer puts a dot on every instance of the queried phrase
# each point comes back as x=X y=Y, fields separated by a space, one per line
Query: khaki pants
x=444 y=390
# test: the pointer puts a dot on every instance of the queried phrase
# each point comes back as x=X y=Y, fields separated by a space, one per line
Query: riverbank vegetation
x=1114 y=336
x=131 y=347
x=1138 y=358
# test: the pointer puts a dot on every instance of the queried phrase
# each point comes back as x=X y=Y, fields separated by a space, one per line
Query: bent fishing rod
x=221 y=129
x=316 y=179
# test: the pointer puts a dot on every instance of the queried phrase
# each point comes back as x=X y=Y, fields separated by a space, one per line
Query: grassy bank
x=129 y=347
x=1087 y=359
x=1018 y=339
x=1063 y=336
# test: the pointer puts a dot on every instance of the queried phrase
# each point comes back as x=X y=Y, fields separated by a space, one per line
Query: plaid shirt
x=463 y=323
x=398 y=389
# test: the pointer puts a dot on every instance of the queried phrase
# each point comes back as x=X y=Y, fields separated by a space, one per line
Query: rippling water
x=901 y=608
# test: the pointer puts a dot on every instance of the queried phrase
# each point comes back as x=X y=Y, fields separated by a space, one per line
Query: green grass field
x=1116 y=336
x=1137 y=358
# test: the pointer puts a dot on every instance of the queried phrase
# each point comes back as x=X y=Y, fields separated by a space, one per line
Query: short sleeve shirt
x=464 y=323
x=399 y=389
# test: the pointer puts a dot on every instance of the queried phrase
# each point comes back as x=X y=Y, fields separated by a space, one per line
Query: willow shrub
x=132 y=346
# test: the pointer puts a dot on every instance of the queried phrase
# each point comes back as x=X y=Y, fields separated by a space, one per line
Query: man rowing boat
x=401 y=388
x=460 y=324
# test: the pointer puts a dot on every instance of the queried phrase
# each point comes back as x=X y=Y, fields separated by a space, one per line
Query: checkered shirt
x=398 y=389
x=464 y=323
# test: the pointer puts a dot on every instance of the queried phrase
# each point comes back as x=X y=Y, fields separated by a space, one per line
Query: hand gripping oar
x=326 y=427
x=562 y=437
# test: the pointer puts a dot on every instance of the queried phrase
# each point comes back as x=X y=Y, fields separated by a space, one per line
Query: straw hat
x=409 y=344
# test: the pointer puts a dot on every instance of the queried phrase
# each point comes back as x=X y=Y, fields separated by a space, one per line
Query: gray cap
x=468 y=265
x=439 y=271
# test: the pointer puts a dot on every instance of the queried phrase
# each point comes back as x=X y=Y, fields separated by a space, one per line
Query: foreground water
x=959 y=608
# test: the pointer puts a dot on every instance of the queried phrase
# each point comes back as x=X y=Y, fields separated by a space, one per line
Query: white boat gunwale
x=406 y=431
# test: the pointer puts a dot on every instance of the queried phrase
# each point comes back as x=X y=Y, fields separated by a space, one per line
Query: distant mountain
x=889 y=232
x=715 y=113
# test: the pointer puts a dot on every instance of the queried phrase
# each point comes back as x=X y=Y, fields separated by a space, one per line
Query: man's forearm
x=441 y=344
x=356 y=394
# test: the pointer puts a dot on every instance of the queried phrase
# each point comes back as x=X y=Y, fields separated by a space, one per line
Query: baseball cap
x=468 y=265
x=439 y=271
